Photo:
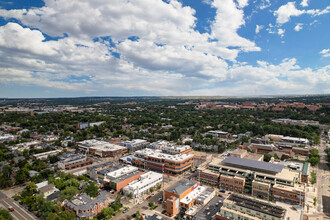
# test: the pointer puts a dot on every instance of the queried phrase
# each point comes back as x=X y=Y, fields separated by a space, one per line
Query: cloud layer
x=147 y=47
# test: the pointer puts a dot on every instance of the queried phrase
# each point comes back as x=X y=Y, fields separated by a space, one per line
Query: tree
x=29 y=190
x=267 y=157
x=68 y=193
x=21 y=176
x=91 y=189
x=107 y=213
x=159 y=186
x=152 y=189
x=276 y=156
x=130 y=195
x=5 y=214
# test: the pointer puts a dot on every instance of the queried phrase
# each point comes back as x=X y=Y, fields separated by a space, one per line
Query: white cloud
x=284 y=13
x=318 y=12
x=242 y=3
x=264 y=4
x=325 y=53
x=258 y=28
x=298 y=27
x=281 y=32
x=304 y=3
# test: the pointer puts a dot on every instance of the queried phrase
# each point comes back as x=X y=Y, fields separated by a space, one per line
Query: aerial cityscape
x=164 y=110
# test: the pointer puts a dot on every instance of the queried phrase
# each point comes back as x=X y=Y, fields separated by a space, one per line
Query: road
x=19 y=212
x=322 y=176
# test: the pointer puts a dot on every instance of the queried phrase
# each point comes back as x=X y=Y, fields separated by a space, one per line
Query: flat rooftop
x=257 y=205
x=100 y=145
x=121 y=170
x=181 y=186
x=193 y=195
x=253 y=164
x=210 y=209
x=159 y=155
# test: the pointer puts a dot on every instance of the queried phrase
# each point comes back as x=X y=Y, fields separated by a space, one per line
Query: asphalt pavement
x=19 y=212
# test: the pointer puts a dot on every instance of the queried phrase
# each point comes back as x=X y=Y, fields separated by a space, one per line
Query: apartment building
x=72 y=161
x=160 y=162
x=121 y=176
x=86 y=207
x=134 y=145
x=290 y=195
x=142 y=185
x=101 y=148
x=232 y=183
x=242 y=207
x=44 y=156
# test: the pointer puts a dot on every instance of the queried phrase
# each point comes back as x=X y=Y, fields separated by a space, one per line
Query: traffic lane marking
x=16 y=211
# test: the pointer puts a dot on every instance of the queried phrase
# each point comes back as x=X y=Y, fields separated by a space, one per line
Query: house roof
x=84 y=201
x=47 y=188
x=181 y=186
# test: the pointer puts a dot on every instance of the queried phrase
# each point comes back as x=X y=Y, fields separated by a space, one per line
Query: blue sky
x=64 y=48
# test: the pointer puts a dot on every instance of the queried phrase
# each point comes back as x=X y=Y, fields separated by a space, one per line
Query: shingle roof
x=84 y=201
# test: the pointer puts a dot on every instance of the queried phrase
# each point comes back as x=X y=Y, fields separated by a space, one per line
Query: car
x=134 y=215
x=140 y=202
x=10 y=208
x=148 y=197
x=153 y=194
x=222 y=191
x=163 y=212
x=23 y=184
x=229 y=193
x=16 y=199
x=160 y=199
x=126 y=210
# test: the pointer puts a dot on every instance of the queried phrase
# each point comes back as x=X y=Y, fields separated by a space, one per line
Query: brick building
x=72 y=161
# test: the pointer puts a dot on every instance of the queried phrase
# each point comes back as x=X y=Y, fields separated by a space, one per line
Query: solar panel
x=253 y=164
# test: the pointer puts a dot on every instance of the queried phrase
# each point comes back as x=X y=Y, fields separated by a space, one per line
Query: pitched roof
x=181 y=186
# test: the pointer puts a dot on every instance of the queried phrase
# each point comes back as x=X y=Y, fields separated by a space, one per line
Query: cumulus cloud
x=284 y=13
x=281 y=32
x=298 y=27
x=304 y=3
x=258 y=28
x=325 y=52
x=242 y=3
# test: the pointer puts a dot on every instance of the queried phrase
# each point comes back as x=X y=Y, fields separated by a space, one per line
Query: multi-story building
x=290 y=195
x=183 y=195
x=101 y=148
x=220 y=134
x=86 y=207
x=256 y=178
x=120 y=176
x=142 y=185
x=168 y=148
x=157 y=161
x=44 y=156
x=92 y=170
x=72 y=161
x=134 y=145
x=241 y=153
x=242 y=207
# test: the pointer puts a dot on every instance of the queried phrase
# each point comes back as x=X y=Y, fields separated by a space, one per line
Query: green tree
x=5 y=214
x=91 y=189
x=68 y=193
x=267 y=157
x=107 y=213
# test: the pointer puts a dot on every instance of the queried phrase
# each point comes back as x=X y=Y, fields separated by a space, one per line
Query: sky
x=70 y=48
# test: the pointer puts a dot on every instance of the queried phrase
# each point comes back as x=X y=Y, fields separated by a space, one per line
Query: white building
x=134 y=145
x=43 y=156
x=7 y=137
x=143 y=184
x=168 y=148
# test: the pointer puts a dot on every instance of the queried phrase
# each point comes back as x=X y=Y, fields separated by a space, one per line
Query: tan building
x=232 y=183
x=261 y=190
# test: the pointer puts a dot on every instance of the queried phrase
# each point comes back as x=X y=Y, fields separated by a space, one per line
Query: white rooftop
x=100 y=145
x=159 y=155
x=145 y=179
x=122 y=171
x=193 y=195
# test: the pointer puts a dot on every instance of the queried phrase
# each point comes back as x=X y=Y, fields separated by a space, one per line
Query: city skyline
x=164 y=48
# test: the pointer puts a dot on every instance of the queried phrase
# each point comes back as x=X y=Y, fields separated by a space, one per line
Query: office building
x=133 y=145
x=160 y=162
x=120 y=176
x=220 y=134
x=92 y=170
x=142 y=185
x=72 y=161
x=101 y=148
x=168 y=148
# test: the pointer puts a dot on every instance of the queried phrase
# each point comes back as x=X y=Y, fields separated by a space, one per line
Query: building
x=92 y=170
x=241 y=153
x=48 y=190
x=87 y=125
x=168 y=148
x=120 y=176
x=134 y=145
x=86 y=207
x=306 y=171
x=220 y=134
x=72 y=161
x=289 y=195
x=44 y=156
x=160 y=162
x=253 y=177
x=142 y=185
x=7 y=137
x=175 y=193
x=101 y=148
x=185 y=196
x=243 y=207
x=294 y=140
x=208 y=211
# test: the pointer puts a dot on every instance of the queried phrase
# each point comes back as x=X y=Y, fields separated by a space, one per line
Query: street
x=19 y=212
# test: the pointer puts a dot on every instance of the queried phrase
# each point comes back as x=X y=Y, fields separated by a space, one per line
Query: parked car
x=10 y=208
x=229 y=193
x=148 y=197
x=126 y=210
x=222 y=191
x=163 y=212
x=140 y=202
x=153 y=194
